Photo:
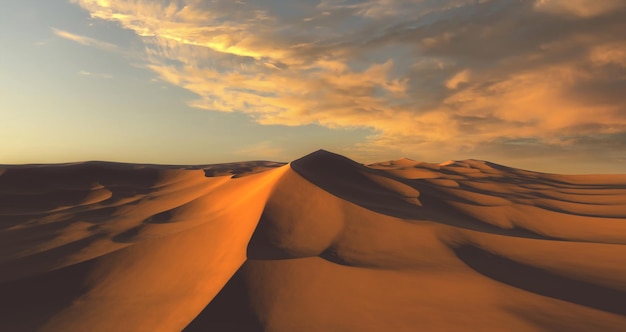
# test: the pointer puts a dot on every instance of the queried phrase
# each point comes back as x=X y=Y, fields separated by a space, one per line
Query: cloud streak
x=98 y=75
x=84 y=40
x=438 y=77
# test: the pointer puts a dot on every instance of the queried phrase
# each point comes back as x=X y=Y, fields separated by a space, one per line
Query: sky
x=534 y=84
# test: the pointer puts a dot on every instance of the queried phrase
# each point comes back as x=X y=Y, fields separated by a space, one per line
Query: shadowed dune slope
x=321 y=244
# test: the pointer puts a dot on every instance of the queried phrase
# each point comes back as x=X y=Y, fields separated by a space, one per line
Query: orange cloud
x=458 y=78
x=582 y=8
x=432 y=76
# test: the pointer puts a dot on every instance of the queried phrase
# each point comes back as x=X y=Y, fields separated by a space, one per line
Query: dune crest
x=321 y=244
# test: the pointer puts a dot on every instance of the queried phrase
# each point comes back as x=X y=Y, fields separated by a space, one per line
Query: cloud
x=99 y=75
x=459 y=78
x=609 y=54
x=84 y=40
x=439 y=77
x=581 y=8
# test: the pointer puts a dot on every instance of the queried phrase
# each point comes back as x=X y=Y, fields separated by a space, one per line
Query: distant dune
x=320 y=244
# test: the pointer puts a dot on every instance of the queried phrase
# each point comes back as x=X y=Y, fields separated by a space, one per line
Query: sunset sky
x=535 y=84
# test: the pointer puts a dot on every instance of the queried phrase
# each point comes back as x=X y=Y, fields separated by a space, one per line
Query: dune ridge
x=320 y=244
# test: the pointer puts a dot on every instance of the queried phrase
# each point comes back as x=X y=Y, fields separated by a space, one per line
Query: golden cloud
x=582 y=8
x=429 y=75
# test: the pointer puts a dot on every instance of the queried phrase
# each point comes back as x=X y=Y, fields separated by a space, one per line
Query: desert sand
x=320 y=244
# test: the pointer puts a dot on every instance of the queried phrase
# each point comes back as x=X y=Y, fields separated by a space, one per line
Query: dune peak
x=324 y=155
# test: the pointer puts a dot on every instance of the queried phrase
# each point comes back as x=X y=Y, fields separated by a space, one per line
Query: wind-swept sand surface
x=320 y=244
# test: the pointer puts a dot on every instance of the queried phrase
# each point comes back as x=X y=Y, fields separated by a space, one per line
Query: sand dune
x=320 y=244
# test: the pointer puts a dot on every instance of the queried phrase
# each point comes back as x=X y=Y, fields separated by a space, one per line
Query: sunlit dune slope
x=107 y=247
x=331 y=245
